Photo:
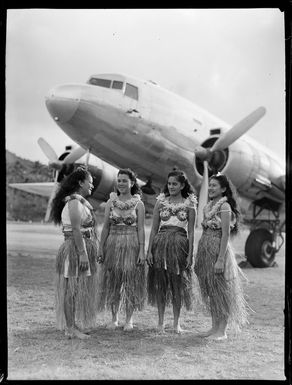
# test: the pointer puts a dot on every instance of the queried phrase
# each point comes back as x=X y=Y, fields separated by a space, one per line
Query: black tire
x=258 y=248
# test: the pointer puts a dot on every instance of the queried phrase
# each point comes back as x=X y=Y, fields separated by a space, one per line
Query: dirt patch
x=36 y=350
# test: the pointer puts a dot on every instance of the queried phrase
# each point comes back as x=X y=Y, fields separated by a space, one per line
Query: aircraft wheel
x=258 y=248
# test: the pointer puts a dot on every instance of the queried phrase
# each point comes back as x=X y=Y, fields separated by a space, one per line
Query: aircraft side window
x=131 y=91
x=117 y=85
x=100 y=82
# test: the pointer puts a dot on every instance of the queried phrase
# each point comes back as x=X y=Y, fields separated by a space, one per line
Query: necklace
x=190 y=201
x=175 y=202
x=214 y=208
x=124 y=205
x=80 y=198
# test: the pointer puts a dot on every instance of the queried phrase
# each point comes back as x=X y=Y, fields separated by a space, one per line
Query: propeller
x=74 y=155
x=53 y=193
x=203 y=196
x=238 y=129
x=57 y=165
x=207 y=155
x=47 y=150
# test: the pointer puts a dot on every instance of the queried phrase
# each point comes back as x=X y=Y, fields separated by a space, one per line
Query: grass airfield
x=37 y=351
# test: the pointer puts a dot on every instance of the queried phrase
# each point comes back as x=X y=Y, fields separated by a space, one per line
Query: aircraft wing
x=43 y=189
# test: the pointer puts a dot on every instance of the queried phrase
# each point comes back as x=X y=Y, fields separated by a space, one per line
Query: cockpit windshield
x=129 y=90
x=100 y=82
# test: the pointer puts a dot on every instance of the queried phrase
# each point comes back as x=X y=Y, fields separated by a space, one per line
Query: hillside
x=19 y=204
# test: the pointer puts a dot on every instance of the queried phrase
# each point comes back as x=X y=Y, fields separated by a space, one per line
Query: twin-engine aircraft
x=127 y=122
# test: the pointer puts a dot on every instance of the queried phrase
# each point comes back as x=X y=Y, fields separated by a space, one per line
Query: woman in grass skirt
x=121 y=251
x=170 y=250
x=76 y=264
x=215 y=266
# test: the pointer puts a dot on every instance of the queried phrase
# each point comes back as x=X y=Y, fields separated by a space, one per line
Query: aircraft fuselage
x=133 y=123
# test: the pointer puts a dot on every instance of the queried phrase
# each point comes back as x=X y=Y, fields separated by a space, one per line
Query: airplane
x=135 y=123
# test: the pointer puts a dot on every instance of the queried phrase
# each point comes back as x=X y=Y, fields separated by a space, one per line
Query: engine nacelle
x=104 y=182
x=254 y=173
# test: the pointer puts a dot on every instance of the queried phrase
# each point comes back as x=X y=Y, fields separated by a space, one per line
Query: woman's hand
x=141 y=257
x=83 y=261
x=100 y=257
x=149 y=258
x=219 y=266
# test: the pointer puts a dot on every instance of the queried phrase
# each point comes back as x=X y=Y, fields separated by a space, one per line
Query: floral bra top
x=212 y=217
x=175 y=214
x=123 y=213
x=85 y=211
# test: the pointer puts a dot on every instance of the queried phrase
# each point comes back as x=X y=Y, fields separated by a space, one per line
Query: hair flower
x=113 y=195
x=161 y=197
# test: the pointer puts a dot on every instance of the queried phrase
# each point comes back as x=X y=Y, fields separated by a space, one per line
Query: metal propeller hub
x=216 y=159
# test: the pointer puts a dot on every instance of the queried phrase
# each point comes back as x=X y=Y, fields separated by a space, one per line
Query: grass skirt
x=81 y=287
x=223 y=290
x=168 y=276
x=121 y=279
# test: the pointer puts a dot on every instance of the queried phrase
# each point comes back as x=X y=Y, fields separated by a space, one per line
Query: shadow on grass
x=140 y=341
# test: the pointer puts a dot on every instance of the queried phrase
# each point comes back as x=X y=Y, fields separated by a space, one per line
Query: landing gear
x=259 y=248
x=265 y=238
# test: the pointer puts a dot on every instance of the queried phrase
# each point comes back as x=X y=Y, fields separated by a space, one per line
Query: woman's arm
x=104 y=232
x=154 y=230
x=191 y=230
x=225 y=213
x=75 y=218
x=141 y=231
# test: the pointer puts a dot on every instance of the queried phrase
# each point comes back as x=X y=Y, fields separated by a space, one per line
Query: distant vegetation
x=19 y=204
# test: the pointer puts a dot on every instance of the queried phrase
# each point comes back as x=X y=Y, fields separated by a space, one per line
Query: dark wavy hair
x=231 y=195
x=182 y=178
x=135 y=189
x=68 y=186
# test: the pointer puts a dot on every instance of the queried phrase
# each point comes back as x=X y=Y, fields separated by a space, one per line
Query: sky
x=227 y=61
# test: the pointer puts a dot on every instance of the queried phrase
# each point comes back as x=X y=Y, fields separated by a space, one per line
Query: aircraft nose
x=62 y=102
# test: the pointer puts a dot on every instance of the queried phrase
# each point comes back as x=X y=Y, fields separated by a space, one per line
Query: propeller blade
x=238 y=129
x=53 y=193
x=48 y=150
x=203 y=197
x=76 y=154
x=87 y=159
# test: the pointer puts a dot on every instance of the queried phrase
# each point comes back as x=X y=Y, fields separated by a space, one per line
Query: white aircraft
x=127 y=122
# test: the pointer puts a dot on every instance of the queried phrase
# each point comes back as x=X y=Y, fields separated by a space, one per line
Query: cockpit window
x=100 y=82
x=117 y=85
x=131 y=91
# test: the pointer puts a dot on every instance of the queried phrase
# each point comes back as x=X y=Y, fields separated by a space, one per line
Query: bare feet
x=207 y=333
x=128 y=326
x=112 y=325
x=72 y=332
x=178 y=330
x=85 y=331
x=160 y=329
x=218 y=336
x=80 y=335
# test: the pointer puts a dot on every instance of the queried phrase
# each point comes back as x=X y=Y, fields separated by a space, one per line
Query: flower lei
x=192 y=199
x=174 y=208
x=129 y=204
x=80 y=198
x=209 y=214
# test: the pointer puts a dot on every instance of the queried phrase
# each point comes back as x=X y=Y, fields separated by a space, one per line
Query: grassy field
x=36 y=350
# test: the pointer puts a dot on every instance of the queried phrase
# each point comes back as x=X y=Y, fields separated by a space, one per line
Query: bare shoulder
x=140 y=204
x=225 y=207
x=74 y=204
